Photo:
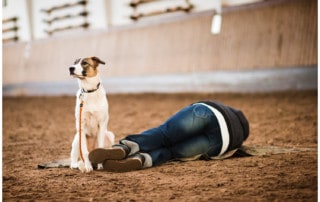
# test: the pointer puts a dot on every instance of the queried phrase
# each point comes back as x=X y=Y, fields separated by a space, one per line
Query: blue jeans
x=192 y=131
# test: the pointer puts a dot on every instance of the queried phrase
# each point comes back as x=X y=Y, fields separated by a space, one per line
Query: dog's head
x=85 y=67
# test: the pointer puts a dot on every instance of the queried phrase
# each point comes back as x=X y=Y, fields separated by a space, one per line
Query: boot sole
x=99 y=155
x=125 y=165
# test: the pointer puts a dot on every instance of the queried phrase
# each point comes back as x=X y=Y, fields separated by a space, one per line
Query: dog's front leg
x=101 y=138
x=105 y=137
x=75 y=153
x=101 y=135
x=85 y=165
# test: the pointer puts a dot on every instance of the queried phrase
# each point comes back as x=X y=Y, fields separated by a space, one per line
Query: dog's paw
x=74 y=165
x=85 y=167
x=100 y=166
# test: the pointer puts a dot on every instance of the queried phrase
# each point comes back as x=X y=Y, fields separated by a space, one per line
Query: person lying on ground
x=203 y=130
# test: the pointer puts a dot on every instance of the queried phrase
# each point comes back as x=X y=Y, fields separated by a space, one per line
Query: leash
x=80 y=115
x=80 y=127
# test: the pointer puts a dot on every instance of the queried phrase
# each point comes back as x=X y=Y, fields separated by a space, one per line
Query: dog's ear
x=97 y=60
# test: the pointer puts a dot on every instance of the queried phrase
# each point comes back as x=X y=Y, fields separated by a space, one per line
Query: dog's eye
x=84 y=63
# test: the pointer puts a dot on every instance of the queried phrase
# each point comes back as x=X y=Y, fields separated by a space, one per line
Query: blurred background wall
x=140 y=39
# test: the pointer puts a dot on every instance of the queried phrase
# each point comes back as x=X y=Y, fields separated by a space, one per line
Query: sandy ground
x=40 y=129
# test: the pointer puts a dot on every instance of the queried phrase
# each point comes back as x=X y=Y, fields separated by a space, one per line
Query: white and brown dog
x=91 y=113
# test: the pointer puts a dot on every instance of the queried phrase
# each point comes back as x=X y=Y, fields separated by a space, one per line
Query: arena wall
x=271 y=34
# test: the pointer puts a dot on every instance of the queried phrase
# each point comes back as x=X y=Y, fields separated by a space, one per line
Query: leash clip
x=81 y=96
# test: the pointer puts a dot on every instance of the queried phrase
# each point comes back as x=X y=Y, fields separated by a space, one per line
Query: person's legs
x=193 y=131
x=193 y=148
x=188 y=122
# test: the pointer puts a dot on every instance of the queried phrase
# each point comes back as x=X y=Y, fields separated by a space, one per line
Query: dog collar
x=90 y=91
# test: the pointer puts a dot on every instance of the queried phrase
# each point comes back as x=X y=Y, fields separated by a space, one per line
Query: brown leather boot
x=134 y=162
x=117 y=152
